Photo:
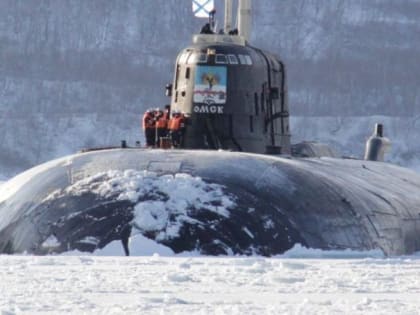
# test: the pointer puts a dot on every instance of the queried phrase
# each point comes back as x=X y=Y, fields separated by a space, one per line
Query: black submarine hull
x=258 y=204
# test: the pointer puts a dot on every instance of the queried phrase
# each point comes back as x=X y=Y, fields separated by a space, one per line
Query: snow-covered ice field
x=156 y=284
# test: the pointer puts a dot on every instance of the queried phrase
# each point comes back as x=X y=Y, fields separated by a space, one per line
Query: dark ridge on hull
x=276 y=203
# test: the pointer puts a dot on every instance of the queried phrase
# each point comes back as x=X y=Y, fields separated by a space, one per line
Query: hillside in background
x=80 y=73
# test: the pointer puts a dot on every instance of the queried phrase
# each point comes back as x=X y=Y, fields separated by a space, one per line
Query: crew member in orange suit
x=167 y=112
x=161 y=126
x=149 y=127
x=176 y=128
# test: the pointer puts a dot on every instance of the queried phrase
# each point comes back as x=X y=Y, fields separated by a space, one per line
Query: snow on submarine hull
x=214 y=202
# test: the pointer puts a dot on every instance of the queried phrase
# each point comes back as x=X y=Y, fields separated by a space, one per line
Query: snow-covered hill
x=80 y=73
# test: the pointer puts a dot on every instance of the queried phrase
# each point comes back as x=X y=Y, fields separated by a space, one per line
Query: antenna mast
x=228 y=16
x=244 y=19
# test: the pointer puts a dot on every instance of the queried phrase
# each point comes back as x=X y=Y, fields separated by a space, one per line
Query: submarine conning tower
x=234 y=95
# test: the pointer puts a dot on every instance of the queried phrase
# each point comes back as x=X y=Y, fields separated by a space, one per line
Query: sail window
x=220 y=58
x=202 y=58
x=245 y=59
x=242 y=59
x=233 y=60
x=248 y=60
x=197 y=58
x=176 y=76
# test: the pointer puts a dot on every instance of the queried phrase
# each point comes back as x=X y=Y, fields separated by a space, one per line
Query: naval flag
x=202 y=8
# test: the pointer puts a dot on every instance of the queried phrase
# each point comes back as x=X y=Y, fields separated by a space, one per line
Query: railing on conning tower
x=216 y=38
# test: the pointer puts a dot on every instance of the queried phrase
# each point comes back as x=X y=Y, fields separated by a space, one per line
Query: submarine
x=235 y=185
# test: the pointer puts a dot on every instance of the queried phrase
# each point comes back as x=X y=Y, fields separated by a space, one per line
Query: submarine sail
x=233 y=94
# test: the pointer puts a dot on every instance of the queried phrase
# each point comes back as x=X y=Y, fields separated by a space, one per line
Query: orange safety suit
x=162 y=122
x=148 y=124
x=161 y=127
x=176 y=128
x=177 y=122
x=148 y=120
